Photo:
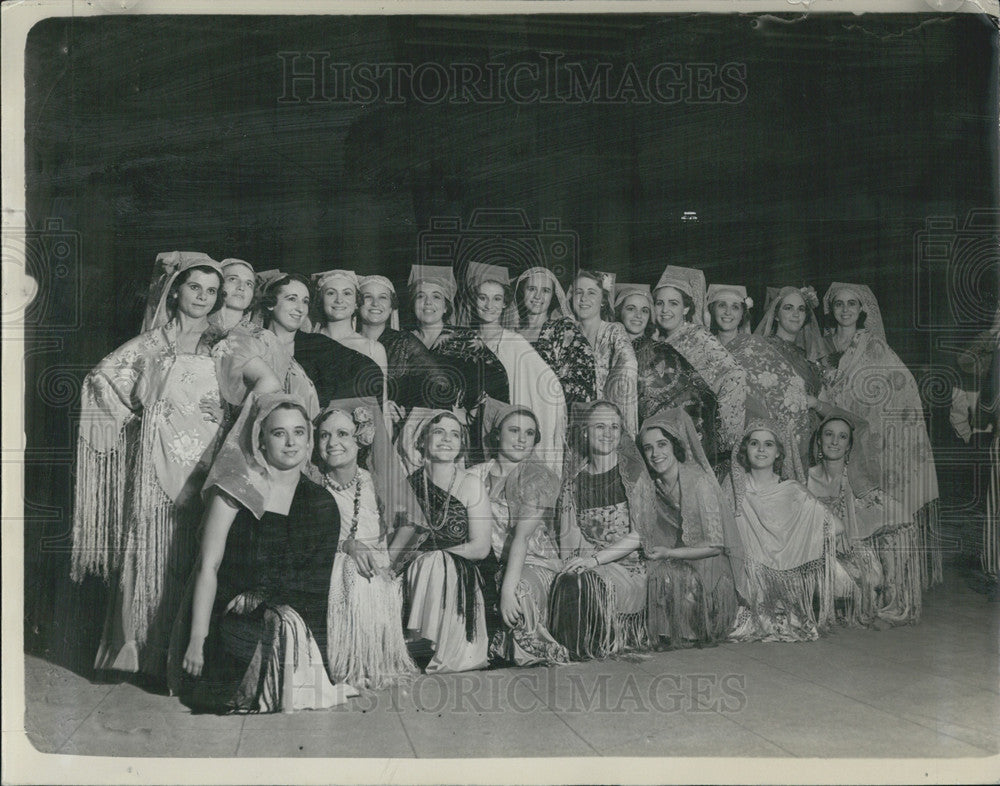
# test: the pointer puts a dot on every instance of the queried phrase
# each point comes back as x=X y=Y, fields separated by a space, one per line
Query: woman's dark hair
x=269 y=297
x=493 y=438
x=650 y=323
x=289 y=405
x=779 y=461
x=743 y=320
x=777 y=308
x=679 y=452
x=317 y=459
x=421 y=443
x=816 y=443
x=686 y=300
x=316 y=312
x=607 y=312
x=448 y=308
x=182 y=277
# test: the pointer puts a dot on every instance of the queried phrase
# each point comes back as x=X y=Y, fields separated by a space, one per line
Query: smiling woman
x=150 y=416
x=257 y=633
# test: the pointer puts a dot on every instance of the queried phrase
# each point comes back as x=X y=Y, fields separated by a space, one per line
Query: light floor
x=928 y=691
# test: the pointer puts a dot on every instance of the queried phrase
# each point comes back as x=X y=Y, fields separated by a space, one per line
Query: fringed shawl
x=143 y=434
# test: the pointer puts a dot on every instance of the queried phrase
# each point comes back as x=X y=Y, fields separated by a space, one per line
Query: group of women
x=293 y=499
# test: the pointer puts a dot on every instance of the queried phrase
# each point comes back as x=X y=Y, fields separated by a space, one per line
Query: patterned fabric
x=616 y=372
x=149 y=428
x=775 y=388
x=667 y=379
x=245 y=343
x=602 y=513
x=447 y=517
x=527 y=489
x=411 y=379
x=469 y=369
x=563 y=346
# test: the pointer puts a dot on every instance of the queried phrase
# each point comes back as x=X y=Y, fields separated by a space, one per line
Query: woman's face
x=846 y=307
x=444 y=440
x=587 y=297
x=489 y=302
x=537 y=294
x=197 y=295
x=635 y=314
x=835 y=439
x=285 y=439
x=237 y=287
x=727 y=312
x=604 y=430
x=336 y=442
x=429 y=305
x=791 y=314
x=669 y=308
x=292 y=306
x=376 y=305
x=517 y=437
x=659 y=451
x=762 y=449
x=340 y=299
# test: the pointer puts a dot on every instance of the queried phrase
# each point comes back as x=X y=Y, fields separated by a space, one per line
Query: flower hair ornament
x=361 y=417
x=809 y=295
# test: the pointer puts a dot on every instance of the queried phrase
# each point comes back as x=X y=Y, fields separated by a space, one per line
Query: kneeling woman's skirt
x=599 y=612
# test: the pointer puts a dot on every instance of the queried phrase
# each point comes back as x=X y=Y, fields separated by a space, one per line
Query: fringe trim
x=865 y=569
x=365 y=644
x=584 y=618
x=902 y=557
x=98 y=515
x=927 y=519
x=161 y=543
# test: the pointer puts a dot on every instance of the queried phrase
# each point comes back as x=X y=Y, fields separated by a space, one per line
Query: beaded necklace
x=447 y=502
x=356 y=482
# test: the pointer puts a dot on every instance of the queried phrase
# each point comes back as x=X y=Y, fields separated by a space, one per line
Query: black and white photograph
x=524 y=392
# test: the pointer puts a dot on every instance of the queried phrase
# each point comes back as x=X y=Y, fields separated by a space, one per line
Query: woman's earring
x=820 y=454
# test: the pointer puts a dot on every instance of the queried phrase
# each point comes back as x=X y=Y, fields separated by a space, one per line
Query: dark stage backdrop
x=809 y=148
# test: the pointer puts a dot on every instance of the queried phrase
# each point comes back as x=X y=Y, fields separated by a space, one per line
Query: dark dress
x=337 y=371
x=413 y=375
x=563 y=346
x=280 y=561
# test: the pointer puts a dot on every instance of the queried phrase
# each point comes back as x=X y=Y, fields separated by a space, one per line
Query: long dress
x=143 y=453
x=870 y=380
x=444 y=595
x=528 y=487
x=366 y=646
x=249 y=342
x=600 y=611
x=788 y=564
x=268 y=632
x=615 y=371
x=691 y=369
x=534 y=385
x=691 y=602
x=562 y=345
x=338 y=371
